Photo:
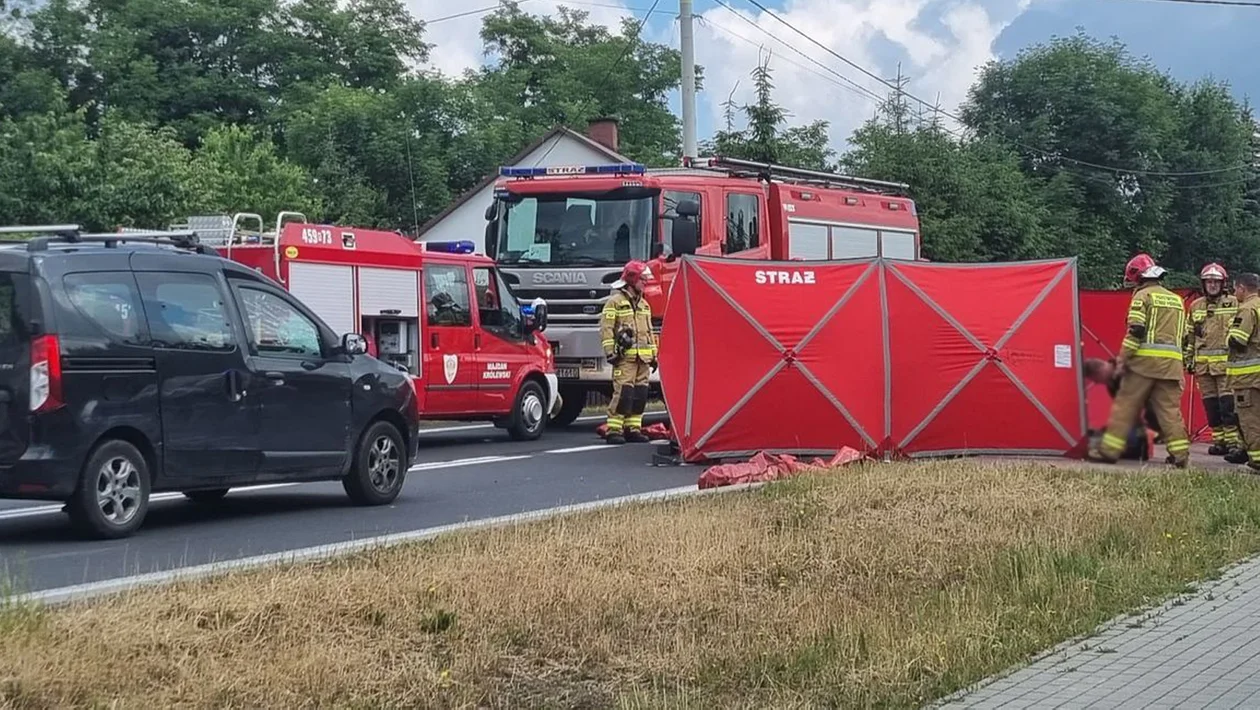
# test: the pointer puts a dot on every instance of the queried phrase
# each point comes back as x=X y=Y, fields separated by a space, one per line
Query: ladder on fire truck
x=227 y=230
x=767 y=172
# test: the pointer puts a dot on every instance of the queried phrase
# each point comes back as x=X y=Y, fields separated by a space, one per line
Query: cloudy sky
x=939 y=44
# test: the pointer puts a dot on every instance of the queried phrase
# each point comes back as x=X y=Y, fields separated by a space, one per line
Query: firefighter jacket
x=625 y=312
x=1209 y=324
x=1157 y=330
x=1244 y=347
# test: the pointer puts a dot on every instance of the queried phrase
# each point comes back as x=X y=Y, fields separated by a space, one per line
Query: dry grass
x=877 y=586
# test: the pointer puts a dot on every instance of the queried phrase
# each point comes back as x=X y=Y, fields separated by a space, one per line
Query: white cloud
x=939 y=43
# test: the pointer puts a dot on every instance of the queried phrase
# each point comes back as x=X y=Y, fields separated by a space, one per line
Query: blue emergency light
x=459 y=247
x=610 y=169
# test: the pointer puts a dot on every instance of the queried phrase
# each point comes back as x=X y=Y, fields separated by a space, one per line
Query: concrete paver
x=1200 y=650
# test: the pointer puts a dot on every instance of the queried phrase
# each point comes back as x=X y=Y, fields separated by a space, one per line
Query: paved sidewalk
x=1199 y=651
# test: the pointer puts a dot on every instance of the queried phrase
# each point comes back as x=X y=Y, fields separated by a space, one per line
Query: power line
x=826 y=68
x=868 y=95
x=947 y=114
x=1228 y=3
x=580 y=3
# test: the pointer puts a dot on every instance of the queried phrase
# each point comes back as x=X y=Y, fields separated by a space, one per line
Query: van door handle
x=433 y=340
x=277 y=377
x=308 y=365
x=477 y=340
x=235 y=392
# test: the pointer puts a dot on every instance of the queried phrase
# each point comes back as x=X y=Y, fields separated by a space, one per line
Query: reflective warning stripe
x=1131 y=343
x=1160 y=350
x=1243 y=367
x=1112 y=443
x=1178 y=446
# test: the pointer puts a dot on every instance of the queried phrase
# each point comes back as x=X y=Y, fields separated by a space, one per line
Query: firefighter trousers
x=1163 y=399
x=629 y=395
x=1218 y=405
x=1249 y=422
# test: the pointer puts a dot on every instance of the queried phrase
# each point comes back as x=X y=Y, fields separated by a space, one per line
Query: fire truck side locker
x=389 y=305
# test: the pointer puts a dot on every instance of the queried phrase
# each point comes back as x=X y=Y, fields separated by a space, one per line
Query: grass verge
x=874 y=586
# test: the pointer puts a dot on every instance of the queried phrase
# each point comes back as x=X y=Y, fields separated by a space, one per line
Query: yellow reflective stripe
x=1238 y=371
x=1178 y=446
x=1159 y=353
x=1131 y=343
x=1112 y=443
x=1211 y=358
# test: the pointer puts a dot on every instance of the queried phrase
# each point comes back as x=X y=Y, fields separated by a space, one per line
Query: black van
x=132 y=364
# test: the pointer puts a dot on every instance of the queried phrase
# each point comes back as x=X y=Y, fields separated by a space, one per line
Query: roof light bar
x=460 y=247
x=610 y=169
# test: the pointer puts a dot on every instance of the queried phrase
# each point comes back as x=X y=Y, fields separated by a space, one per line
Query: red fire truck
x=564 y=233
x=437 y=311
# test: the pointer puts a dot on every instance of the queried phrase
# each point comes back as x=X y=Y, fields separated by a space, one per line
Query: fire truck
x=564 y=232
x=437 y=311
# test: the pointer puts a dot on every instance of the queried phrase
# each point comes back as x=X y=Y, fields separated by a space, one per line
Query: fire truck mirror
x=535 y=316
x=492 y=239
x=491 y=209
x=353 y=344
x=684 y=237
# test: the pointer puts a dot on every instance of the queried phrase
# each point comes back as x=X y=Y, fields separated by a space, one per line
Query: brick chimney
x=603 y=130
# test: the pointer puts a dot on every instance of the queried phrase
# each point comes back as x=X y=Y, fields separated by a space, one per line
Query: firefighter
x=630 y=346
x=1150 y=365
x=1243 y=371
x=1210 y=318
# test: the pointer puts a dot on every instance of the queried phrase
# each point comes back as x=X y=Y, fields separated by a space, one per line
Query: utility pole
x=688 y=46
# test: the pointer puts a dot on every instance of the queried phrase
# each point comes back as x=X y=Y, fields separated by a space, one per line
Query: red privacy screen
x=891 y=357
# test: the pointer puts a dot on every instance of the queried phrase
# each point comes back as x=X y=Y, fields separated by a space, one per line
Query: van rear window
x=12 y=306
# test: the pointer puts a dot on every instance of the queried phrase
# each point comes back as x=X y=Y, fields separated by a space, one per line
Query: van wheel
x=113 y=493
x=529 y=414
x=208 y=496
x=380 y=466
x=570 y=409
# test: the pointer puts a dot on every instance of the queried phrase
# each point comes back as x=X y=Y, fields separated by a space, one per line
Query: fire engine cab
x=565 y=232
x=437 y=311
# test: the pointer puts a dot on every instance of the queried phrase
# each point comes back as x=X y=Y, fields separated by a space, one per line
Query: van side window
x=275 y=327
x=186 y=311
x=446 y=296
x=671 y=199
x=742 y=230
x=108 y=301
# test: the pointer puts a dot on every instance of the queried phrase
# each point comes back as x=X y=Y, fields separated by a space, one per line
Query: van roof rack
x=73 y=234
x=770 y=171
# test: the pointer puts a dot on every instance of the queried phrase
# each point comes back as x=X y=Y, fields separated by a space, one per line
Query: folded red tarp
x=880 y=356
x=771 y=467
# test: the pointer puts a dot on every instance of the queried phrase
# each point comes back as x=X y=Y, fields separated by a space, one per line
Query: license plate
x=567 y=373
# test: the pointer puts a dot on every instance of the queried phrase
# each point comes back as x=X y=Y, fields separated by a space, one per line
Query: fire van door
x=450 y=358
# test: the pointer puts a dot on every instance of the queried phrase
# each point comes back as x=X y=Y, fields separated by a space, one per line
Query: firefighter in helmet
x=1151 y=365
x=1243 y=370
x=630 y=346
x=1210 y=317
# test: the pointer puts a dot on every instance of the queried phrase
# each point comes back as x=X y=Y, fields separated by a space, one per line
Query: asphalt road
x=469 y=473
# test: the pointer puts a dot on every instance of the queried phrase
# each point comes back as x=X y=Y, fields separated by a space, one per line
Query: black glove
x=1198 y=329
x=654 y=364
x=612 y=359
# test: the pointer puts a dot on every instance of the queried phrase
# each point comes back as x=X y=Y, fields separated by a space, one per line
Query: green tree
x=765 y=139
x=240 y=170
x=563 y=70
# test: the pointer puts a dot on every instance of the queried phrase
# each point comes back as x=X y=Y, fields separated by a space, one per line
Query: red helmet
x=1213 y=271
x=634 y=274
x=1136 y=267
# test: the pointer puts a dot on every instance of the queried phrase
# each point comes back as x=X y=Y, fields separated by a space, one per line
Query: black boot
x=1236 y=456
x=1218 y=450
x=616 y=439
x=635 y=436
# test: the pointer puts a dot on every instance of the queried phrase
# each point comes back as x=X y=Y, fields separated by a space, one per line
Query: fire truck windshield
x=574 y=230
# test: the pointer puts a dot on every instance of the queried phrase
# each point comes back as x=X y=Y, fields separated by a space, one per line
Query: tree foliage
x=141 y=112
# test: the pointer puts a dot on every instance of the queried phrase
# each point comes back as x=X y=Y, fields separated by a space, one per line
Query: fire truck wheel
x=570 y=409
x=380 y=466
x=529 y=414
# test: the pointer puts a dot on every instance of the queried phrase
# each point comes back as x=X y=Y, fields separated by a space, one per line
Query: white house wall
x=468 y=221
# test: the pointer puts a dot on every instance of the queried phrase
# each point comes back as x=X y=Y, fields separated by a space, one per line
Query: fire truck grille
x=568 y=305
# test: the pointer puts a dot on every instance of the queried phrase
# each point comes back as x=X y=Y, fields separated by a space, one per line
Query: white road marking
x=94 y=589
x=16 y=513
x=580 y=420
x=576 y=449
x=155 y=498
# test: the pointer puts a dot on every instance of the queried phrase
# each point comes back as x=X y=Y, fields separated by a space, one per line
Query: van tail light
x=45 y=391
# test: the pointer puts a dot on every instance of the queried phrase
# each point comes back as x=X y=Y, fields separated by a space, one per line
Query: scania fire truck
x=438 y=311
x=564 y=233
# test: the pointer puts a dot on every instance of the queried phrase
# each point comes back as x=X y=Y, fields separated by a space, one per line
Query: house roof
x=557 y=133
